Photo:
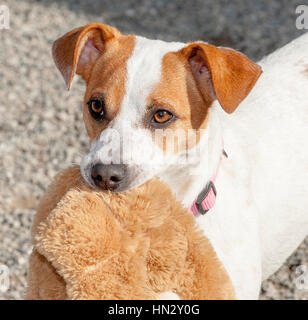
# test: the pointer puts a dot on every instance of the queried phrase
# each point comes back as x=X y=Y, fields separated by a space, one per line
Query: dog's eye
x=162 y=116
x=97 y=108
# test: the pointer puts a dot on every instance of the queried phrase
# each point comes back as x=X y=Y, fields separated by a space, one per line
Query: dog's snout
x=108 y=177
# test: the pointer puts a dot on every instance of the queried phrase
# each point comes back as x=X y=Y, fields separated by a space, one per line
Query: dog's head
x=140 y=92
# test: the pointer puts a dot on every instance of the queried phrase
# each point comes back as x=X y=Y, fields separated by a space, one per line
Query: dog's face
x=141 y=92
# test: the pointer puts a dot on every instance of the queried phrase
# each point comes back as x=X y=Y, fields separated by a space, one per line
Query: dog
x=245 y=173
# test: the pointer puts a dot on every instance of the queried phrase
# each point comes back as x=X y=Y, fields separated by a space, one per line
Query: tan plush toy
x=135 y=245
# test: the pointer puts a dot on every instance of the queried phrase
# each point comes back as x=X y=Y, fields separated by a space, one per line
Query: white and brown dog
x=137 y=87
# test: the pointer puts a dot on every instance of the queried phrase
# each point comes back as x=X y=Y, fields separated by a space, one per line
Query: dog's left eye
x=96 y=107
x=162 y=116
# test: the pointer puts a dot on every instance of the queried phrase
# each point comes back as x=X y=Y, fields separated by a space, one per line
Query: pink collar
x=207 y=197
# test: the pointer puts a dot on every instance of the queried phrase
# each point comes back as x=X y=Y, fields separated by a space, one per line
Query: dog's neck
x=187 y=180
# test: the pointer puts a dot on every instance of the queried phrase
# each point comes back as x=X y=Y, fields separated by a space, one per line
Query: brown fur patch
x=108 y=78
x=177 y=91
x=233 y=75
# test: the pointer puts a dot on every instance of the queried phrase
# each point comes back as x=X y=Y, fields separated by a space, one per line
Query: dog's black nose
x=108 y=177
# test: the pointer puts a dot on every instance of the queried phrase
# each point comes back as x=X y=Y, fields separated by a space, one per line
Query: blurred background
x=41 y=128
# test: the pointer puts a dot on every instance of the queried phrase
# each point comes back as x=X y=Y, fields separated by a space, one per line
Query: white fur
x=260 y=216
x=168 y=296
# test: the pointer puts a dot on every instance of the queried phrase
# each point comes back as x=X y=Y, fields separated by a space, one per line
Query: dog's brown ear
x=77 y=50
x=224 y=74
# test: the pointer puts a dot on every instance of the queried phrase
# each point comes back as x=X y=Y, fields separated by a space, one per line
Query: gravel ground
x=41 y=129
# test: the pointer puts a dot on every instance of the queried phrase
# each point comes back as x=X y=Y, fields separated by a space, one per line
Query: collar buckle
x=203 y=195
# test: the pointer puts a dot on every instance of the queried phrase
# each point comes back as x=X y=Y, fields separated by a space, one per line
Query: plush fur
x=134 y=245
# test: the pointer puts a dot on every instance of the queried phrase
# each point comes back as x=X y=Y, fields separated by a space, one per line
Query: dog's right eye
x=96 y=107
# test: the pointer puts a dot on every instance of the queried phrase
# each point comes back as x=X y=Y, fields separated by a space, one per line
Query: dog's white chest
x=236 y=242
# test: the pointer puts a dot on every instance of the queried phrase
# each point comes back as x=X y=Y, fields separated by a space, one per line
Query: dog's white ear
x=77 y=50
x=221 y=73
